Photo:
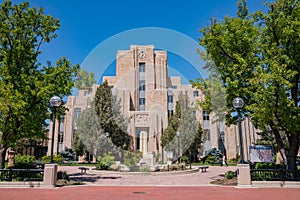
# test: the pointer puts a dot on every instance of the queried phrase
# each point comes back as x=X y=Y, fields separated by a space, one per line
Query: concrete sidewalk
x=107 y=178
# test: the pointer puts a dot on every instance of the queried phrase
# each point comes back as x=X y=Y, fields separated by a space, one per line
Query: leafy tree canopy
x=25 y=84
x=85 y=80
x=257 y=56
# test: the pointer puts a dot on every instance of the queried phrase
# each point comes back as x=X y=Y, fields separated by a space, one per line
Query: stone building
x=149 y=95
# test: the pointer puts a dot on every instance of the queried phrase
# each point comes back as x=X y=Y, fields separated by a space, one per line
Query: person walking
x=224 y=161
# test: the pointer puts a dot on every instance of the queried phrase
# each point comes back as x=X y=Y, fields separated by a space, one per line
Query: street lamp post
x=238 y=104
x=190 y=159
x=178 y=136
x=55 y=102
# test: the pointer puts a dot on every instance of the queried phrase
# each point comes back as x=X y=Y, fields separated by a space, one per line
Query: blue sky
x=85 y=25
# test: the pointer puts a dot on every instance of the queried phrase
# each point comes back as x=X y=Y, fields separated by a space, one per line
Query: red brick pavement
x=150 y=193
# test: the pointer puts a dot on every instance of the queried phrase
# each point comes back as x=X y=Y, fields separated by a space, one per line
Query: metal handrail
x=8 y=174
x=274 y=175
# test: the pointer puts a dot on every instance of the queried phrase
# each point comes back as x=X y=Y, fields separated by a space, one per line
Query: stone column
x=143 y=142
x=244 y=177
x=50 y=175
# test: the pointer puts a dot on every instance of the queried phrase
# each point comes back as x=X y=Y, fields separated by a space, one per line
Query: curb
x=21 y=184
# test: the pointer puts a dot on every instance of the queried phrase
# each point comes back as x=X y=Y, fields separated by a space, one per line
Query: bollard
x=244 y=178
x=50 y=175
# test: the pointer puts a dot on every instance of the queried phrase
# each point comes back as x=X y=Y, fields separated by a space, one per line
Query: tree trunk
x=2 y=156
x=279 y=142
x=293 y=151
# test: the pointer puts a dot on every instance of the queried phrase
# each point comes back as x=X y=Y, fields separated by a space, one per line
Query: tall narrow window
x=62 y=125
x=114 y=93
x=206 y=123
x=142 y=85
x=60 y=142
x=170 y=98
x=196 y=93
x=170 y=102
x=61 y=134
x=77 y=112
x=142 y=103
x=205 y=115
x=142 y=67
x=86 y=93
x=170 y=113
x=207 y=135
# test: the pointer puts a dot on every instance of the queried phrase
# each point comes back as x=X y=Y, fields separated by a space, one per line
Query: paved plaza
x=158 y=186
x=180 y=178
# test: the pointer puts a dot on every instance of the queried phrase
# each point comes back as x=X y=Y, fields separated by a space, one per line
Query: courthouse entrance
x=142 y=139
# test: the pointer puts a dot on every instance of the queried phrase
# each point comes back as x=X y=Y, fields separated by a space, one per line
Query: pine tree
x=184 y=122
x=110 y=118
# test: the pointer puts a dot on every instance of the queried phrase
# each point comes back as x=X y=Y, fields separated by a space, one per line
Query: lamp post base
x=50 y=175
x=244 y=177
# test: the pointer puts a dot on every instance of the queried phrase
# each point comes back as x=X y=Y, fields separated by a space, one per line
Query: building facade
x=148 y=95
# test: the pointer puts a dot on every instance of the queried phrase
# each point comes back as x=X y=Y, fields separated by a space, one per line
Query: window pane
x=77 y=112
x=142 y=67
x=205 y=115
x=196 y=93
x=142 y=101
x=86 y=93
x=170 y=113
x=142 y=85
x=170 y=98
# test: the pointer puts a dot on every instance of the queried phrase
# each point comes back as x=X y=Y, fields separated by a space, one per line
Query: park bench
x=83 y=169
x=203 y=168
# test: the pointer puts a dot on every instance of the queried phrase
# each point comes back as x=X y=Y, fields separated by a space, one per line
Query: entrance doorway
x=142 y=139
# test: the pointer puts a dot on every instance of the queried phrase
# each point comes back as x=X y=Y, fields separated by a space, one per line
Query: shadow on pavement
x=90 y=177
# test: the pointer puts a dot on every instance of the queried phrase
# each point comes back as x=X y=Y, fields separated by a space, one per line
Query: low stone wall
x=23 y=184
x=287 y=184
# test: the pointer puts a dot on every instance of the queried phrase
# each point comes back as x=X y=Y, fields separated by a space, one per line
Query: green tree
x=184 y=122
x=214 y=95
x=257 y=56
x=103 y=116
x=170 y=131
x=78 y=146
x=90 y=132
x=212 y=88
x=25 y=85
x=197 y=143
x=188 y=126
x=85 y=80
x=110 y=118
